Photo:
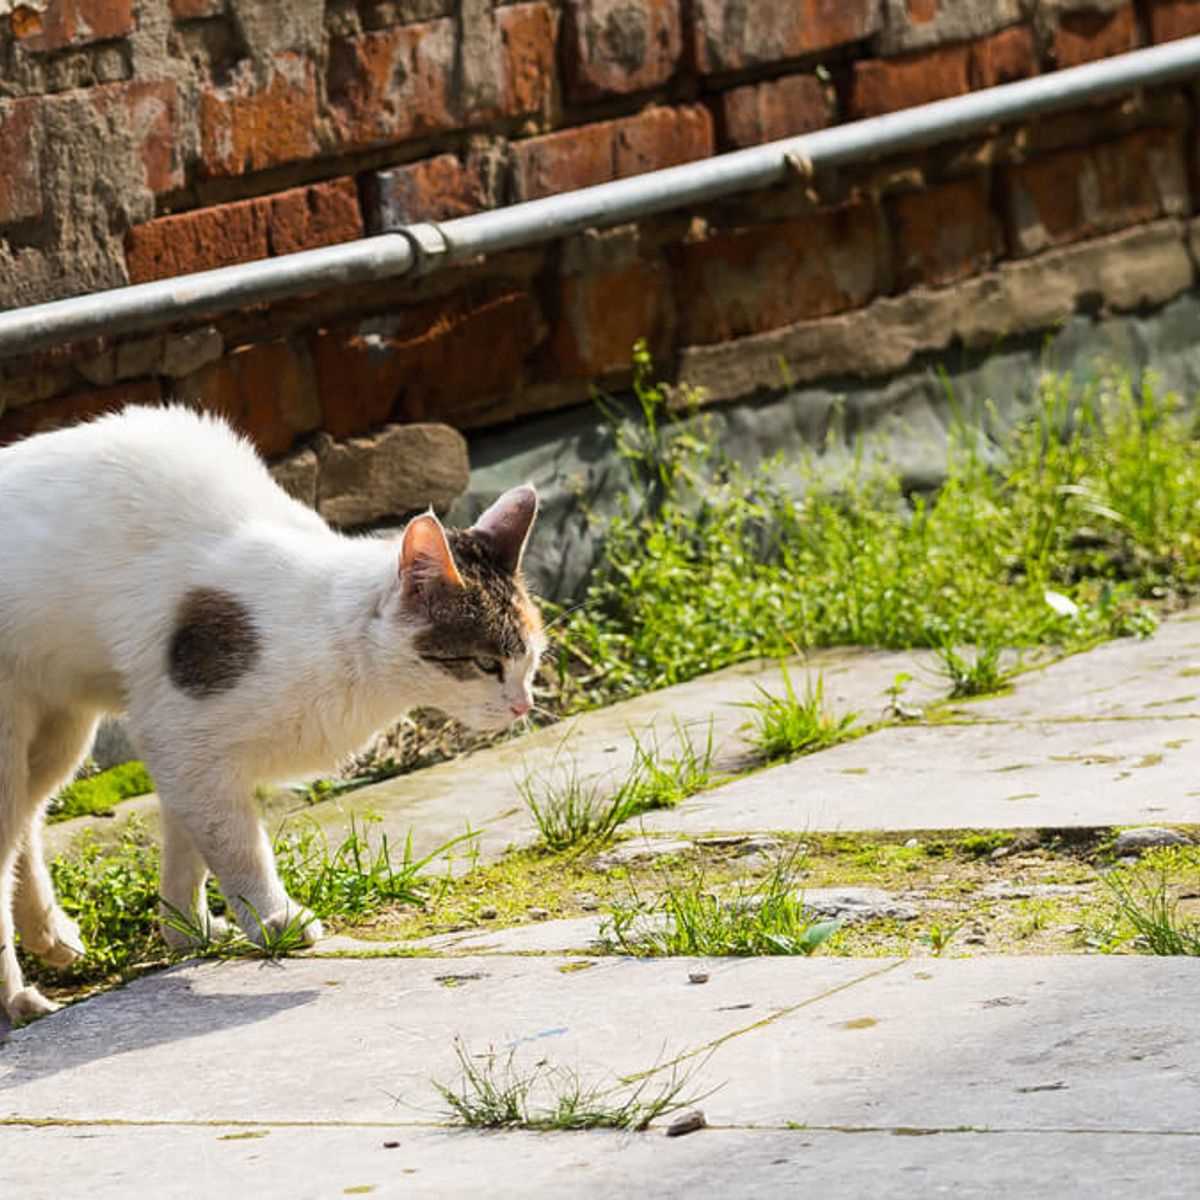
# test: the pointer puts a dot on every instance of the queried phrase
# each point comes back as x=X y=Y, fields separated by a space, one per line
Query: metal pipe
x=431 y=247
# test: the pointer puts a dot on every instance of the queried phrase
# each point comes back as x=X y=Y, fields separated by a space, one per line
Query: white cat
x=151 y=566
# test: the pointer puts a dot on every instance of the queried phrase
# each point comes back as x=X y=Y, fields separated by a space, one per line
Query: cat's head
x=478 y=634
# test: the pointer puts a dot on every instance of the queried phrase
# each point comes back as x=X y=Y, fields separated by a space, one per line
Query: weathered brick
x=426 y=363
x=728 y=35
x=196 y=241
x=765 y=112
x=600 y=316
x=1003 y=57
x=918 y=24
x=527 y=50
x=195 y=10
x=885 y=85
x=662 y=137
x=319 y=215
x=1171 y=19
x=146 y=112
x=20 y=152
x=62 y=23
x=945 y=233
x=247 y=126
x=1077 y=194
x=78 y=406
x=394 y=84
x=761 y=278
x=560 y=162
x=1084 y=36
x=266 y=390
x=614 y=47
x=436 y=189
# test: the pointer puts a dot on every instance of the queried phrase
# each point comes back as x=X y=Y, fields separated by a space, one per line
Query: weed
x=788 y=725
x=977 y=676
x=938 y=937
x=661 y=780
x=690 y=919
x=96 y=795
x=572 y=811
x=494 y=1094
x=1147 y=910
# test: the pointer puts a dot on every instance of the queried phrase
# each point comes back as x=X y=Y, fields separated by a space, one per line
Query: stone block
x=883 y=85
x=319 y=215
x=184 y=353
x=435 y=189
x=1090 y=34
x=527 y=51
x=393 y=85
x=662 y=137
x=21 y=153
x=944 y=233
x=779 y=108
x=261 y=118
x=196 y=241
x=918 y=24
x=399 y=470
x=730 y=35
x=563 y=161
x=616 y=47
x=297 y=475
x=754 y=279
x=62 y=23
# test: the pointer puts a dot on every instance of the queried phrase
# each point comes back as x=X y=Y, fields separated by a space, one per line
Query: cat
x=152 y=566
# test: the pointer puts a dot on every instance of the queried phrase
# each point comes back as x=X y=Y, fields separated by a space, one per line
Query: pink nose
x=520 y=707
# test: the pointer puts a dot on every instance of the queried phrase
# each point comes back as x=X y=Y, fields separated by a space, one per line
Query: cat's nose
x=519 y=708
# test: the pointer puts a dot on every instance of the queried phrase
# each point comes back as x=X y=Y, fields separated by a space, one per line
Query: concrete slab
x=267 y=1162
x=982 y=776
x=1039 y=1044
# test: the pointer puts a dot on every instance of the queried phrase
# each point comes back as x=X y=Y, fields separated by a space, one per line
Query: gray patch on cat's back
x=214 y=643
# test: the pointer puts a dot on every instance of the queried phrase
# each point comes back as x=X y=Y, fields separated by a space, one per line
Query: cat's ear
x=425 y=557
x=507 y=523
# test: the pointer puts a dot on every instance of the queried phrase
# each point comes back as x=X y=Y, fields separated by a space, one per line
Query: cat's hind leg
x=186 y=920
x=59 y=744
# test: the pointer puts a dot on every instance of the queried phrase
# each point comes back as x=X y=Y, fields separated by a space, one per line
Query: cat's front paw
x=59 y=944
x=289 y=928
x=195 y=935
x=28 y=1004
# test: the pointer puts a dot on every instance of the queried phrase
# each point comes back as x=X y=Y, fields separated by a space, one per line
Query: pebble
x=975 y=939
x=1134 y=841
x=686 y=1122
x=760 y=845
x=698 y=977
x=538 y=914
x=488 y=914
x=587 y=901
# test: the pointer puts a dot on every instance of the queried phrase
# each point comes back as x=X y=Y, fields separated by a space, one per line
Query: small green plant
x=980 y=675
x=765 y=918
x=789 y=725
x=97 y=795
x=938 y=937
x=1147 y=914
x=495 y=1094
x=572 y=811
x=658 y=779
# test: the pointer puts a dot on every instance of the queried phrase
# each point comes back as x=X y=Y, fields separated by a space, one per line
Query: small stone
x=698 y=977
x=976 y=939
x=391 y=1145
x=686 y=1122
x=912 y=843
x=639 y=849
x=851 y=904
x=1136 y=841
x=488 y=914
x=190 y=351
x=587 y=901
x=759 y=845
x=1000 y=852
x=538 y=914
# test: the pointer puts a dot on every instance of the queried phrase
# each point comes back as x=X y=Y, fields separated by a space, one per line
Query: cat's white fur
x=103 y=528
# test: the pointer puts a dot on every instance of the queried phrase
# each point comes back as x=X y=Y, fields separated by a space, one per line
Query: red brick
x=921 y=12
x=394 y=84
x=437 y=189
x=70 y=23
x=1077 y=194
x=885 y=85
x=600 y=316
x=765 y=112
x=728 y=35
x=662 y=137
x=267 y=391
x=1004 y=57
x=1171 y=19
x=1084 y=36
x=563 y=161
x=147 y=111
x=457 y=361
x=527 y=51
x=248 y=127
x=320 y=215
x=944 y=233
x=613 y=47
x=768 y=276
x=78 y=406
x=20 y=152
x=195 y=10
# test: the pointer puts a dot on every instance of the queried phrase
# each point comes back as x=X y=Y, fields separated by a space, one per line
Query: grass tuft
x=790 y=725
x=1147 y=905
x=980 y=675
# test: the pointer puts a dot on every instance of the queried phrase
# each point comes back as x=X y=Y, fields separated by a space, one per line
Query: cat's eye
x=490 y=666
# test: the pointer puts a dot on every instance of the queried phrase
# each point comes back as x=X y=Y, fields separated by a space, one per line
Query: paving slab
x=322 y=1163
x=1016 y=775
x=1043 y=1044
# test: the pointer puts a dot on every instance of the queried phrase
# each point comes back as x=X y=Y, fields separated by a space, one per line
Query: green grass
x=691 y=919
x=1146 y=904
x=97 y=795
x=789 y=725
x=493 y=1093
x=1065 y=529
x=979 y=675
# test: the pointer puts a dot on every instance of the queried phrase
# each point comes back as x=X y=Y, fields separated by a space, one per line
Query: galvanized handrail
x=430 y=247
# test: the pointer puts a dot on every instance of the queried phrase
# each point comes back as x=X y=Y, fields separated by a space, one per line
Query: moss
x=97 y=795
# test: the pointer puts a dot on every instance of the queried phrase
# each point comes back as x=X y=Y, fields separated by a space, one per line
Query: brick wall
x=140 y=139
